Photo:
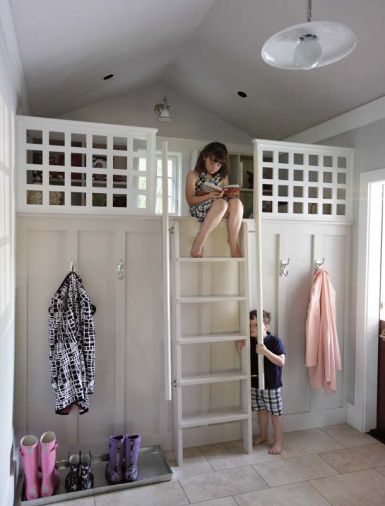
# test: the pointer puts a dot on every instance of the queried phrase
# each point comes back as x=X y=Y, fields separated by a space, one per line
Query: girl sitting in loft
x=209 y=207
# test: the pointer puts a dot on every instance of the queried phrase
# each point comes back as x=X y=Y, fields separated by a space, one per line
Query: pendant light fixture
x=162 y=110
x=309 y=45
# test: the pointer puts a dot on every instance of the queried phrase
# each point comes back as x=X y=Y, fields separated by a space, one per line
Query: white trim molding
x=363 y=413
x=361 y=116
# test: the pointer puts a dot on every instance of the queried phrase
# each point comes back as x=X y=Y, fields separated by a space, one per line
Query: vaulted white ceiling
x=206 y=49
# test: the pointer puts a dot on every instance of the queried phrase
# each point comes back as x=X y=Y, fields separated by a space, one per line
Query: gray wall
x=190 y=120
x=192 y=125
x=370 y=150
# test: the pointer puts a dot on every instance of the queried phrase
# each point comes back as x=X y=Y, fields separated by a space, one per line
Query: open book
x=228 y=189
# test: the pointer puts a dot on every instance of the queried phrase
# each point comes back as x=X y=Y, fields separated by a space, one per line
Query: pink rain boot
x=50 y=475
x=29 y=453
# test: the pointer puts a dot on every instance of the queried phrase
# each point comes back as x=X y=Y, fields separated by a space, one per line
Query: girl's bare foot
x=196 y=250
x=235 y=251
x=276 y=448
x=259 y=440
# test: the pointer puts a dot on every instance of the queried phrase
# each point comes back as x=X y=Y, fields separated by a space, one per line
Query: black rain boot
x=72 y=483
x=86 y=477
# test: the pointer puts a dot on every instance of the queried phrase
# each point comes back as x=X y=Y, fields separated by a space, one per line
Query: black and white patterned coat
x=72 y=345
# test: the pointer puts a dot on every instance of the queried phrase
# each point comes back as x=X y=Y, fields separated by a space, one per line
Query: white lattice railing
x=300 y=181
x=73 y=166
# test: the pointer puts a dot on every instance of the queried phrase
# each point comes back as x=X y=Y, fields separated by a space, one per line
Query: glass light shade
x=308 y=52
x=164 y=114
x=284 y=49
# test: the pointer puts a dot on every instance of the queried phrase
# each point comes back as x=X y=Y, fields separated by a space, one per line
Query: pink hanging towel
x=322 y=348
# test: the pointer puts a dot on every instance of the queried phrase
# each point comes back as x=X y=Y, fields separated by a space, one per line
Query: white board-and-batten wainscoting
x=127 y=319
x=129 y=395
x=287 y=297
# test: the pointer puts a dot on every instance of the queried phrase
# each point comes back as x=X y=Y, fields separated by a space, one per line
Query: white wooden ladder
x=209 y=313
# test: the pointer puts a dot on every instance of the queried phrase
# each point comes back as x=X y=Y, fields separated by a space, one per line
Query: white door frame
x=363 y=414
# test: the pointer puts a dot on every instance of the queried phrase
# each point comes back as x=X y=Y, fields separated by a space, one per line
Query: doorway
x=363 y=413
x=379 y=431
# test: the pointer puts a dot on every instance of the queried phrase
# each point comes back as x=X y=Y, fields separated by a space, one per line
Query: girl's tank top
x=199 y=185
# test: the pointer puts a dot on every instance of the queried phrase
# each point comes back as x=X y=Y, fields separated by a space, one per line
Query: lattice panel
x=305 y=181
x=72 y=166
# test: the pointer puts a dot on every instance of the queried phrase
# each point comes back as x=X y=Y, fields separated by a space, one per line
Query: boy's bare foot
x=259 y=440
x=276 y=448
x=196 y=249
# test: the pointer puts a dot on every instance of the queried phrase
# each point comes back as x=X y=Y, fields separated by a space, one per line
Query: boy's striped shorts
x=269 y=400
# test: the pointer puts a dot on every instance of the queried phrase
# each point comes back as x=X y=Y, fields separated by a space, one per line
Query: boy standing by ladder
x=267 y=402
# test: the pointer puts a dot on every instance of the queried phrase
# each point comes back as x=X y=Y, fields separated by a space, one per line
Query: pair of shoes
x=123 y=453
x=29 y=451
x=79 y=476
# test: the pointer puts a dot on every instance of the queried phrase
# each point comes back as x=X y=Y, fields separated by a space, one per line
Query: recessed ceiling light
x=108 y=76
x=242 y=94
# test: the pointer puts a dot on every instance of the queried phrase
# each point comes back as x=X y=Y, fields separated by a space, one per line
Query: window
x=173 y=183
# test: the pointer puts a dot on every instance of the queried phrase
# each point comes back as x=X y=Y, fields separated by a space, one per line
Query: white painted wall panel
x=96 y=251
x=336 y=252
x=269 y=267
x=128 y=339
x=46 y=267
x=129 y=368
x=288 y=297
x=144 y=333
x=292 y=308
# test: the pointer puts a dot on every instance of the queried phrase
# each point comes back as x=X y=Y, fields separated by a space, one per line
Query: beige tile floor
x=329 y=466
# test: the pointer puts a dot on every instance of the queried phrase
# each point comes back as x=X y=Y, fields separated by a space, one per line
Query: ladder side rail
x=247 y=427
x=166 y=275
x=257 y=209
x=177 y=349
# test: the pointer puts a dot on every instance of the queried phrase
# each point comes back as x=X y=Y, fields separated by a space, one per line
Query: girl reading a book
x=210 y=206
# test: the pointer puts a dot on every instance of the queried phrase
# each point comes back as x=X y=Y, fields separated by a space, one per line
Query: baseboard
x=354 y=417
x=314 y=419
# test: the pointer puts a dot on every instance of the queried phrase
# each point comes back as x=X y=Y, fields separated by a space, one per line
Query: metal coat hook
x=318 y=263
x=120 y=269
x=283 y=272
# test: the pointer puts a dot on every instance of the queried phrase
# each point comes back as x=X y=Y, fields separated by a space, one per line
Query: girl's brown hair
x=217 y=152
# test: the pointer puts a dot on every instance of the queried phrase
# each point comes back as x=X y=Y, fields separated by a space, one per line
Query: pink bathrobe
x=322 y=348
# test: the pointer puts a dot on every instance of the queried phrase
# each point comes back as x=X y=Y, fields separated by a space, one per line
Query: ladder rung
x=213 y=418
x=204 y=379
x=210 y=259
x=212 y=338
x=211 y=298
